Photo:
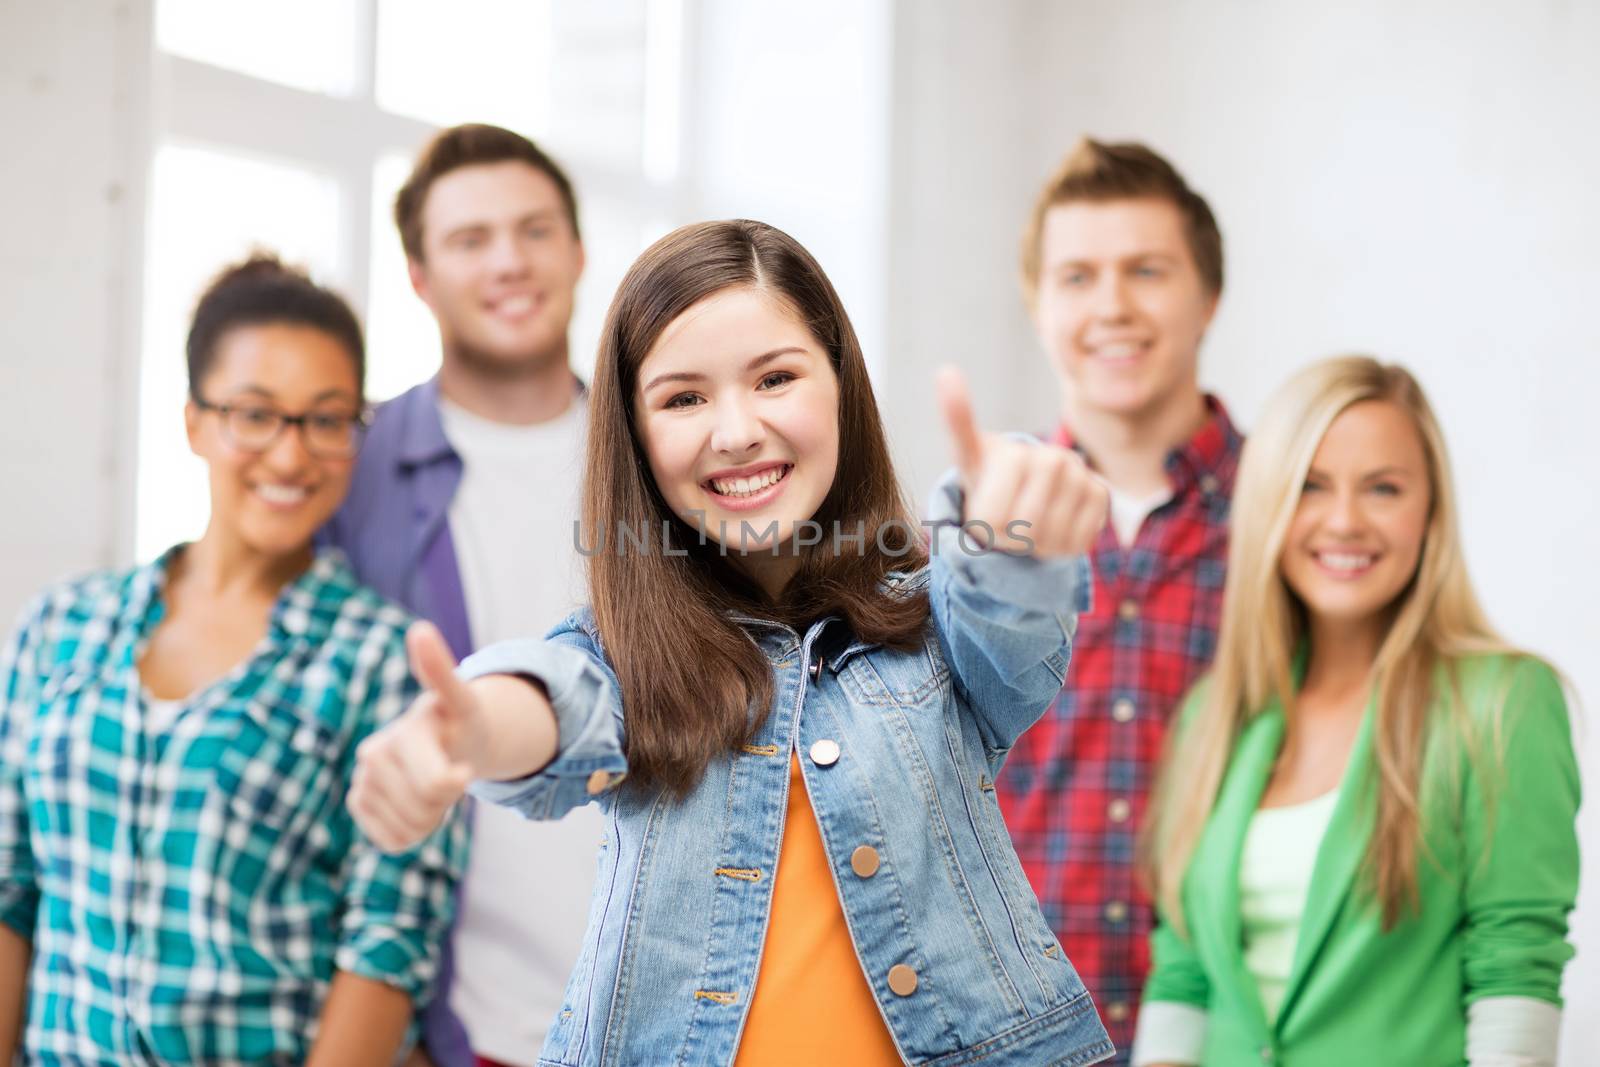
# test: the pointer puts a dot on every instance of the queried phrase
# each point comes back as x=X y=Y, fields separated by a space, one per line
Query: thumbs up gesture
x=1019 y=492
x=409 y=774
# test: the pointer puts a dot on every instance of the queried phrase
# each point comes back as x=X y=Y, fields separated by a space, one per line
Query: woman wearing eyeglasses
x=179 y=880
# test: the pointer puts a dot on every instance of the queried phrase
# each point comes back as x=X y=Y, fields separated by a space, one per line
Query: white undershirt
x=1129 y=512
x=527 y=883
x=159 y=715
x=512 y=521
x=1275 y=868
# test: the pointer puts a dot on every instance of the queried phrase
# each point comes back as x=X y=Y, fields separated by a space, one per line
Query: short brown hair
x=1096 y=172
x=467 y=146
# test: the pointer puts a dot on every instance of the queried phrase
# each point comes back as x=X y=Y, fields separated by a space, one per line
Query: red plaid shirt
x=1074 y=788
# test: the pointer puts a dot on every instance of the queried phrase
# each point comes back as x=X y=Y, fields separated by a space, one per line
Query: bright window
x=240 y=162
x=402 y=337
x=304 y=44
x=211 y=208
x=466 y=61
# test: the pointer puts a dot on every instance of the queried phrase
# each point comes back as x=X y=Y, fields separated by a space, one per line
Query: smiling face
x=1121 y=307
x=274 y=500
x=1359 y=529
x=737 y=407
x=500 y=265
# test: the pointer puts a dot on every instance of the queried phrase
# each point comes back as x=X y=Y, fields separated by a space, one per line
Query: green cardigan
x=1495 y=890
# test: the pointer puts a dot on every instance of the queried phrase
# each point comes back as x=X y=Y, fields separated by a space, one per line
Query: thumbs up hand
x=410 y=773
x=1021 y=497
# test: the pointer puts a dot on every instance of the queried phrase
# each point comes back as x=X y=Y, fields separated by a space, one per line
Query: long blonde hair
x=1436 y=621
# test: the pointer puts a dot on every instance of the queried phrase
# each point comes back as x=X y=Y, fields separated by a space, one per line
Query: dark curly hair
x=262 y=290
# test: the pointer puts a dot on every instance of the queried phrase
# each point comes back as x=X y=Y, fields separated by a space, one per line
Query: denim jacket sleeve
x=588 y=707
x=1005 y=621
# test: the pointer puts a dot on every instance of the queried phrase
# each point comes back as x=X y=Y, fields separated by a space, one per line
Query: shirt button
x=1129 y=610
x=1117 y=810
x=1266 y=1053
x=864 y=861
x=816 y=669
x=825 y=753
x=1116 y=912
x=1117 y=1011
x=902 y=980
x=1122 y=710
x=1209 y=484
x=598 y=782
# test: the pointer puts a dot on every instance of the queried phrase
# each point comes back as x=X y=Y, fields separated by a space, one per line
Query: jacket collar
x=422 y=438
x=829 y=637
x=1207 y=460
x=1339 y=858
x=1213 y=896
x=302 y=615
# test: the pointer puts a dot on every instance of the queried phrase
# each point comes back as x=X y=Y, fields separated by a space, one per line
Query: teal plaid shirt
x=190 y=892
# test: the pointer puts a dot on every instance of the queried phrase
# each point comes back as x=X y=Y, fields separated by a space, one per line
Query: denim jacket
x=674 y=942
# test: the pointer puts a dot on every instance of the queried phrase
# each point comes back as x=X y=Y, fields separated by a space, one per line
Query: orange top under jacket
x=812 y=1004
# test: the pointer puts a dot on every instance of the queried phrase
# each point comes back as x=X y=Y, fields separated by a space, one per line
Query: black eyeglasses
x=326 y=434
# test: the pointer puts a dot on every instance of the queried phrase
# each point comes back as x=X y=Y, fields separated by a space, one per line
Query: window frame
x=202 y=105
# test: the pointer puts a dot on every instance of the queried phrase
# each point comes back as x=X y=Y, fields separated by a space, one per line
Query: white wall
x=1414 y=180
x=788 y=113
x=961 y=180
x=72 y=85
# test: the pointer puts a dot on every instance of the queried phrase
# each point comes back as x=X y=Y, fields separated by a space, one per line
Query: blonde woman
x=1362 y=844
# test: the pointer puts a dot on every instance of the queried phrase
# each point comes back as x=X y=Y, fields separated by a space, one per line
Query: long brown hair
x=694 y=685
x=1437 y=621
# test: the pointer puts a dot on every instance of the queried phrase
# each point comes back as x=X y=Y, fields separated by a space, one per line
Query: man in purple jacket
x=462 y=509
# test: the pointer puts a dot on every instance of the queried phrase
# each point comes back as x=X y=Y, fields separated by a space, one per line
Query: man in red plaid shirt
x=1122 y=268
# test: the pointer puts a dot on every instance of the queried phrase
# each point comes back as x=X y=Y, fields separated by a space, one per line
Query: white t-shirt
x=527 y=883
x=1129 y=512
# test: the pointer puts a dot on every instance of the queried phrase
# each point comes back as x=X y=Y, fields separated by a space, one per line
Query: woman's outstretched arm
x=409 y=774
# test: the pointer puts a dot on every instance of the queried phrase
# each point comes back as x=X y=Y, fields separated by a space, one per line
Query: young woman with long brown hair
x=1363 y=845
x=806 y=862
